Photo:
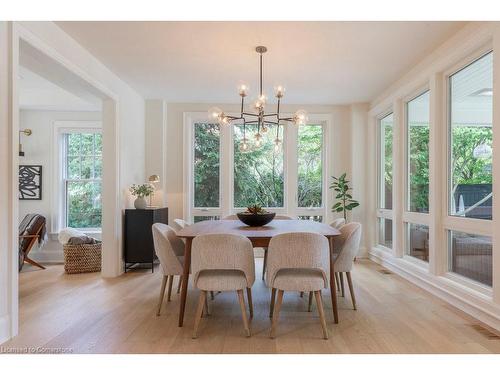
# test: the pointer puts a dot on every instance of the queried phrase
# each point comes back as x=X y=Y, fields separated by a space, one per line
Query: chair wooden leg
x=179 y=285
x=309 y=306
x=250 y=302
x=243 y=308
x=33 y=263
x=207 y=308
x=351 y=289
x=212 y=295
x=199 y=311
x=264 y=264
x=341 y=277
x=162 y=293
x=276 y=313
x=170 y=282
x=319 y=304
x=337 y=281
x=273 y=297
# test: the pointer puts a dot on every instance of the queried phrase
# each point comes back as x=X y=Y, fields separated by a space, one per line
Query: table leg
x=333 y=289
x=185 y=280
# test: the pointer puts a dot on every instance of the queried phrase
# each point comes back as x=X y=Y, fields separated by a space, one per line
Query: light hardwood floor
x=89 y=314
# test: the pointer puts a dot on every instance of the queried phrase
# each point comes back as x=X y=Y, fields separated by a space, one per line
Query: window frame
x=226 y=175
x=452 y=223
x=58 y=198
x=382 y=213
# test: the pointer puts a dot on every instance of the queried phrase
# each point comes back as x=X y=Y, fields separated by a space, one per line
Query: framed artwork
x=30 y=182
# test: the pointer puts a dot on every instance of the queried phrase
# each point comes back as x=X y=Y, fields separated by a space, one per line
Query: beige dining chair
x=179 y=224
x=170 y=251
x=297 y=262
x=223 y=262
x=264 y=265
x=337 y=223
x=348 y=243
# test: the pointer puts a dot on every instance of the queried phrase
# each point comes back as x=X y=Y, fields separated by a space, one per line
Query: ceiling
x=37 y=93
x=317 y=62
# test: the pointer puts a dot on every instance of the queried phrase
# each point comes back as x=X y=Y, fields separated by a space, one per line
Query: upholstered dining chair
x=291 y=268
x=170 y=251
x=348 y=243
x=337 y=223
x=264 y=265
x=223 y=262
x=179 y=224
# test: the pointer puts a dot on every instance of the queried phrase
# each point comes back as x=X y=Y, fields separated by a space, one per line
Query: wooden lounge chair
x=31 y=230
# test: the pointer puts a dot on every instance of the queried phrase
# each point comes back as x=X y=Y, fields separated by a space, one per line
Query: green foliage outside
x=84 y=173
x=206 y=165
x=258 y=174
x=310 y=146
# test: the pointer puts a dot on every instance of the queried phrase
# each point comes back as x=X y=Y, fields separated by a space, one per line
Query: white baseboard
x=477 y=305
x=4 y=328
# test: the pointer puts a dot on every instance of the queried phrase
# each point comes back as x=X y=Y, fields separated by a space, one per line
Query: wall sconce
x=153 y=180
x=26 y=132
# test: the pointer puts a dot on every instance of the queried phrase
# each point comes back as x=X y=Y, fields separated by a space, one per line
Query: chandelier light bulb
x=279 y=91
x=264 y=128
x=300 y=117
x=258 y=140
x=277 y=145
x=224 y=120
x=243 y=90
x=214 y=113
x=244 y=146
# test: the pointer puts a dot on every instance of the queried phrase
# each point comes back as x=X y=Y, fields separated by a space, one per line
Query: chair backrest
x=298 y=250
x=347 y=246
x=337 y=223
x=223 y=252
x=179 y=224
x=168 y=248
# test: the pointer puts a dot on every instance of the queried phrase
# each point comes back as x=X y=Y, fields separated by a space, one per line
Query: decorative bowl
x=256 y=220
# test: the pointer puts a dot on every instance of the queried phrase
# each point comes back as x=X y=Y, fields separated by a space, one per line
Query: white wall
x=39 y=150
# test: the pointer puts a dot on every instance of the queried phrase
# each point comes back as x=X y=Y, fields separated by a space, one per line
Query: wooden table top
x=268 y=231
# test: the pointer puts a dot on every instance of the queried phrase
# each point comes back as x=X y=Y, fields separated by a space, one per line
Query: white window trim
x=58 y=203
x=227 y=170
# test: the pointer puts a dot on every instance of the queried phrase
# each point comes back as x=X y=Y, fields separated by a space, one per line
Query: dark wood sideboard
x=138 y=236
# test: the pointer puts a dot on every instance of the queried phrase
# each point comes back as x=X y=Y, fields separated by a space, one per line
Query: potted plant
x=256 y=216
x=141 y=192
x=345 y=202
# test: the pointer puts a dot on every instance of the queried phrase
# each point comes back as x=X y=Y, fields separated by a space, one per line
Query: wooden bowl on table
x=256 y=220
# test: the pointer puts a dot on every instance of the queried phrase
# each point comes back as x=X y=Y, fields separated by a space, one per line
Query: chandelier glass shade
x=259 y=117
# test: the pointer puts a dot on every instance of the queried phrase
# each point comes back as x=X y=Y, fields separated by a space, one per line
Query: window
x=385 y=162
x=417 y=127
x=206 y=165
x=82 y=175
x=205 y=160
x=470 y=127
x=470 y=256
x=417 y=241
x=310 y=169
x=385 y=232
x=258 y=174
x=222 y=180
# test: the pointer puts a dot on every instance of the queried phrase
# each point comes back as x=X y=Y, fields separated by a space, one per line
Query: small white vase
x=140 y=203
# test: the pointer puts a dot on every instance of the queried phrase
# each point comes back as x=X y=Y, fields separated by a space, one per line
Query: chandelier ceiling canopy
x=259 y=117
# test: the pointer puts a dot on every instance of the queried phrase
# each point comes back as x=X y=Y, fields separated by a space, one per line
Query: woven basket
x=82 y=258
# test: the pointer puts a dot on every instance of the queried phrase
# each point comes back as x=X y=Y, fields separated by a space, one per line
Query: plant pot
x=140 y=203
x=256 y=220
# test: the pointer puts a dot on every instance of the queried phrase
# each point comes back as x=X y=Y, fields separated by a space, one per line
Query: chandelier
x=259 y=117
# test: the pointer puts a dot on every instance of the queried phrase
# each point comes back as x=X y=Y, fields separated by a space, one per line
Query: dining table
x=260 y=237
